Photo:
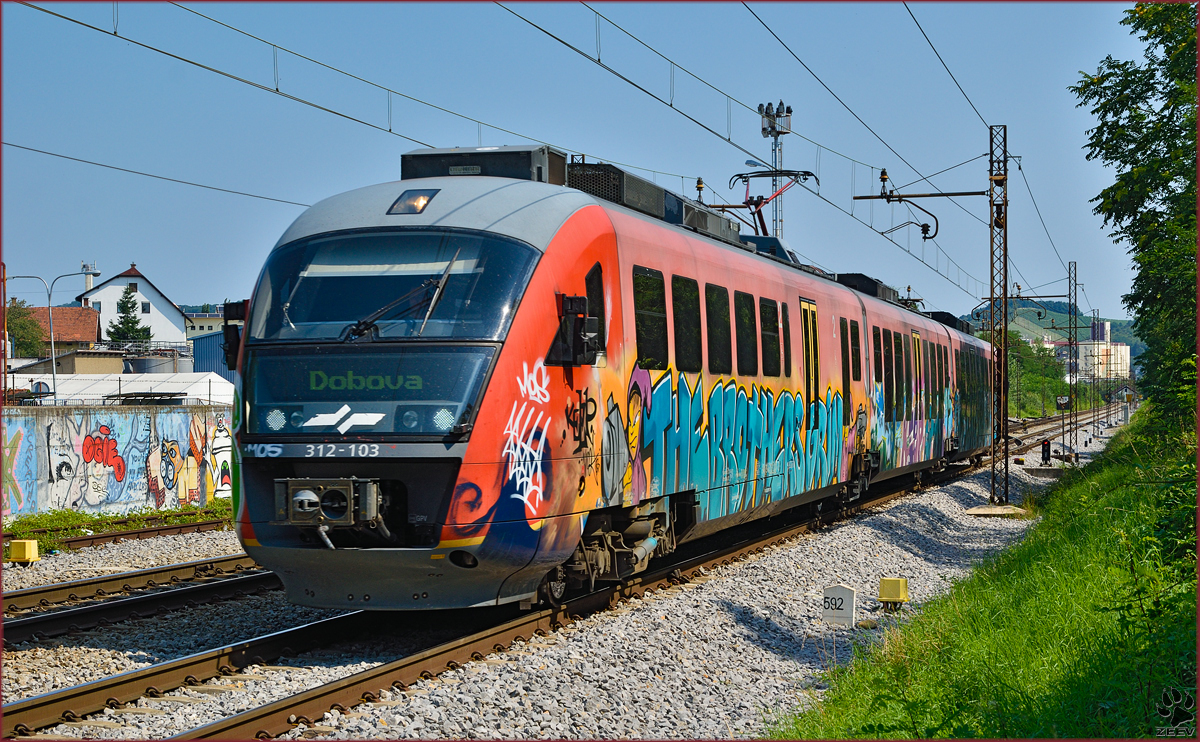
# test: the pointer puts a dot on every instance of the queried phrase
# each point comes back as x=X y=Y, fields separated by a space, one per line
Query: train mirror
x=233 y=312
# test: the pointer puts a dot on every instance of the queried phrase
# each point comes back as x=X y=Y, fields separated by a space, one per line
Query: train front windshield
x=379 y=332
x=429 y=284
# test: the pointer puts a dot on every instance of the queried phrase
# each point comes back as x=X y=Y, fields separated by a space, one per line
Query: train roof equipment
x=545 y=164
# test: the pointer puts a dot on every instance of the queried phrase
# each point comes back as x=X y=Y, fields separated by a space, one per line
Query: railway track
x=93 y=539
x=278 y=717
x=52 y=610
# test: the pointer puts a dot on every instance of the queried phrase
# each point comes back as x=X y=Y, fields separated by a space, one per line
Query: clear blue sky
x=78 y=92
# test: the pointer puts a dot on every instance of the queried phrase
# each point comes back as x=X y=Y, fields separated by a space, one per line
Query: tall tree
x=27 y=336
x=1146 y=130
x=126 y=326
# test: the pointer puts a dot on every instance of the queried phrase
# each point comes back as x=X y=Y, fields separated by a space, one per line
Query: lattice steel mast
x=998 y=311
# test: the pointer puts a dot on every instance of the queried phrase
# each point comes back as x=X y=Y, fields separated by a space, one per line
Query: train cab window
x=908 y=377
x=889 y=409
x=812 y=357
x=650 y=317
x=594 y=283
x=720 y=345
x=747 y=334
x=768 y=316
x=855 y=351
x=685 y=304
x=878 y=349
x=844 y=336
x=787 y=342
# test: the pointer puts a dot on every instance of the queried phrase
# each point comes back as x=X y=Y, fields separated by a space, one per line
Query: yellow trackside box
x=24 y=551
x=893 y=590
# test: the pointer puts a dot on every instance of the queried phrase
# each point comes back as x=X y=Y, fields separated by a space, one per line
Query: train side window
x=855 y=351
x=720 y=344
x=787 y=342
x=650 y=317
x=898 y=376
x=958 y=377
x=594 y=283
x=930 y=367
x=685 y=303
x=875 y=346
x=768 y=316
x=908 y=377
x=941 y=371
x=945 y=375
x=845 y=338
x=745 y=325
x=889 y=409
x=918 y=411
x=812 y=356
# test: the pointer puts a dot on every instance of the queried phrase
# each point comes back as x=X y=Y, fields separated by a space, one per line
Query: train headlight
x=413 y=201
x=443 y=419
x=410 y=419
x=276 y=419
x=297 y=419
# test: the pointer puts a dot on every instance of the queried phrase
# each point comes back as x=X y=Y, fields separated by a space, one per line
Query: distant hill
x=1023 y=317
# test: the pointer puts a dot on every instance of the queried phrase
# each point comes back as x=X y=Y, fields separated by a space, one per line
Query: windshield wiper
x=437 y=294
x=360 y=328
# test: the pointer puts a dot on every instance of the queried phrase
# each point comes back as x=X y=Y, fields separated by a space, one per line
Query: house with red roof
x=164 y=318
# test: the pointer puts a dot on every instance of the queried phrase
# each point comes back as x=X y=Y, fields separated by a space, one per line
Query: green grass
x=68 y=523
x=1074 y=632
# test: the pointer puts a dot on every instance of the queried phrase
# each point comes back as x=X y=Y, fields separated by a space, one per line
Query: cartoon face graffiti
x=634 y=481
x=170 y=464
x=66 y=476
x=222 y=452
x=103 y=461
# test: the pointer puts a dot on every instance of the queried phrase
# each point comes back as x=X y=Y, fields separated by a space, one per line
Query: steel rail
x=98 y=587
x=97 y=613
x=70 y=704
x=171 y=529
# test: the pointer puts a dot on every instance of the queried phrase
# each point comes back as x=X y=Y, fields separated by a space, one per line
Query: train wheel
x=554 y=586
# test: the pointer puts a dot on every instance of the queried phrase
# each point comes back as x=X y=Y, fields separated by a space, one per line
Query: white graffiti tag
x=534 y=385
x=524 y=447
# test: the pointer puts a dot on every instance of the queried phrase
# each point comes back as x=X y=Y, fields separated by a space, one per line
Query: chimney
x=87 y=279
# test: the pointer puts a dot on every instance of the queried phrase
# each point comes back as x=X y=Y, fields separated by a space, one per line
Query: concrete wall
x=114 y=459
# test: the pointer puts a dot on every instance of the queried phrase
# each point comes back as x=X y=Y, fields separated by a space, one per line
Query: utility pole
x=1073 y=349
x=998 y=311
x=776 y=121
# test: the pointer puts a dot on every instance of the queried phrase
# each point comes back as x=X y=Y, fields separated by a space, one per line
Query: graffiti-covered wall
x=114 y=459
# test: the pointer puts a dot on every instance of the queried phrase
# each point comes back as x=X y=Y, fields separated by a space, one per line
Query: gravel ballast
x=715 y=658
x=126 y=556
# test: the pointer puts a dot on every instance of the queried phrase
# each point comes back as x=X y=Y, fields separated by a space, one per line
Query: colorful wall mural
x=114 y=459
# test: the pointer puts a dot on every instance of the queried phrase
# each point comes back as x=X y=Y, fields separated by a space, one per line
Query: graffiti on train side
x=525 y=440
x=740 y=446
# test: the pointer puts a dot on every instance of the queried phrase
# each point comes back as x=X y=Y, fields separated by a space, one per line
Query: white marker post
x=838 y=606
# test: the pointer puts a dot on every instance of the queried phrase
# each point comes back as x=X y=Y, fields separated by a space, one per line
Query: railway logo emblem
x=332 y=418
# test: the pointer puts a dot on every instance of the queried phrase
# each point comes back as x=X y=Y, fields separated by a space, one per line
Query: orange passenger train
x=507 y=376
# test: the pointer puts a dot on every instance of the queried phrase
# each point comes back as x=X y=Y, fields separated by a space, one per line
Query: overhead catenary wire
x=947 y=67
x=756 y=156
x=478 y=122
x=1021 y=170
x=924 y=178
x=158 y=177
x=269 y=89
